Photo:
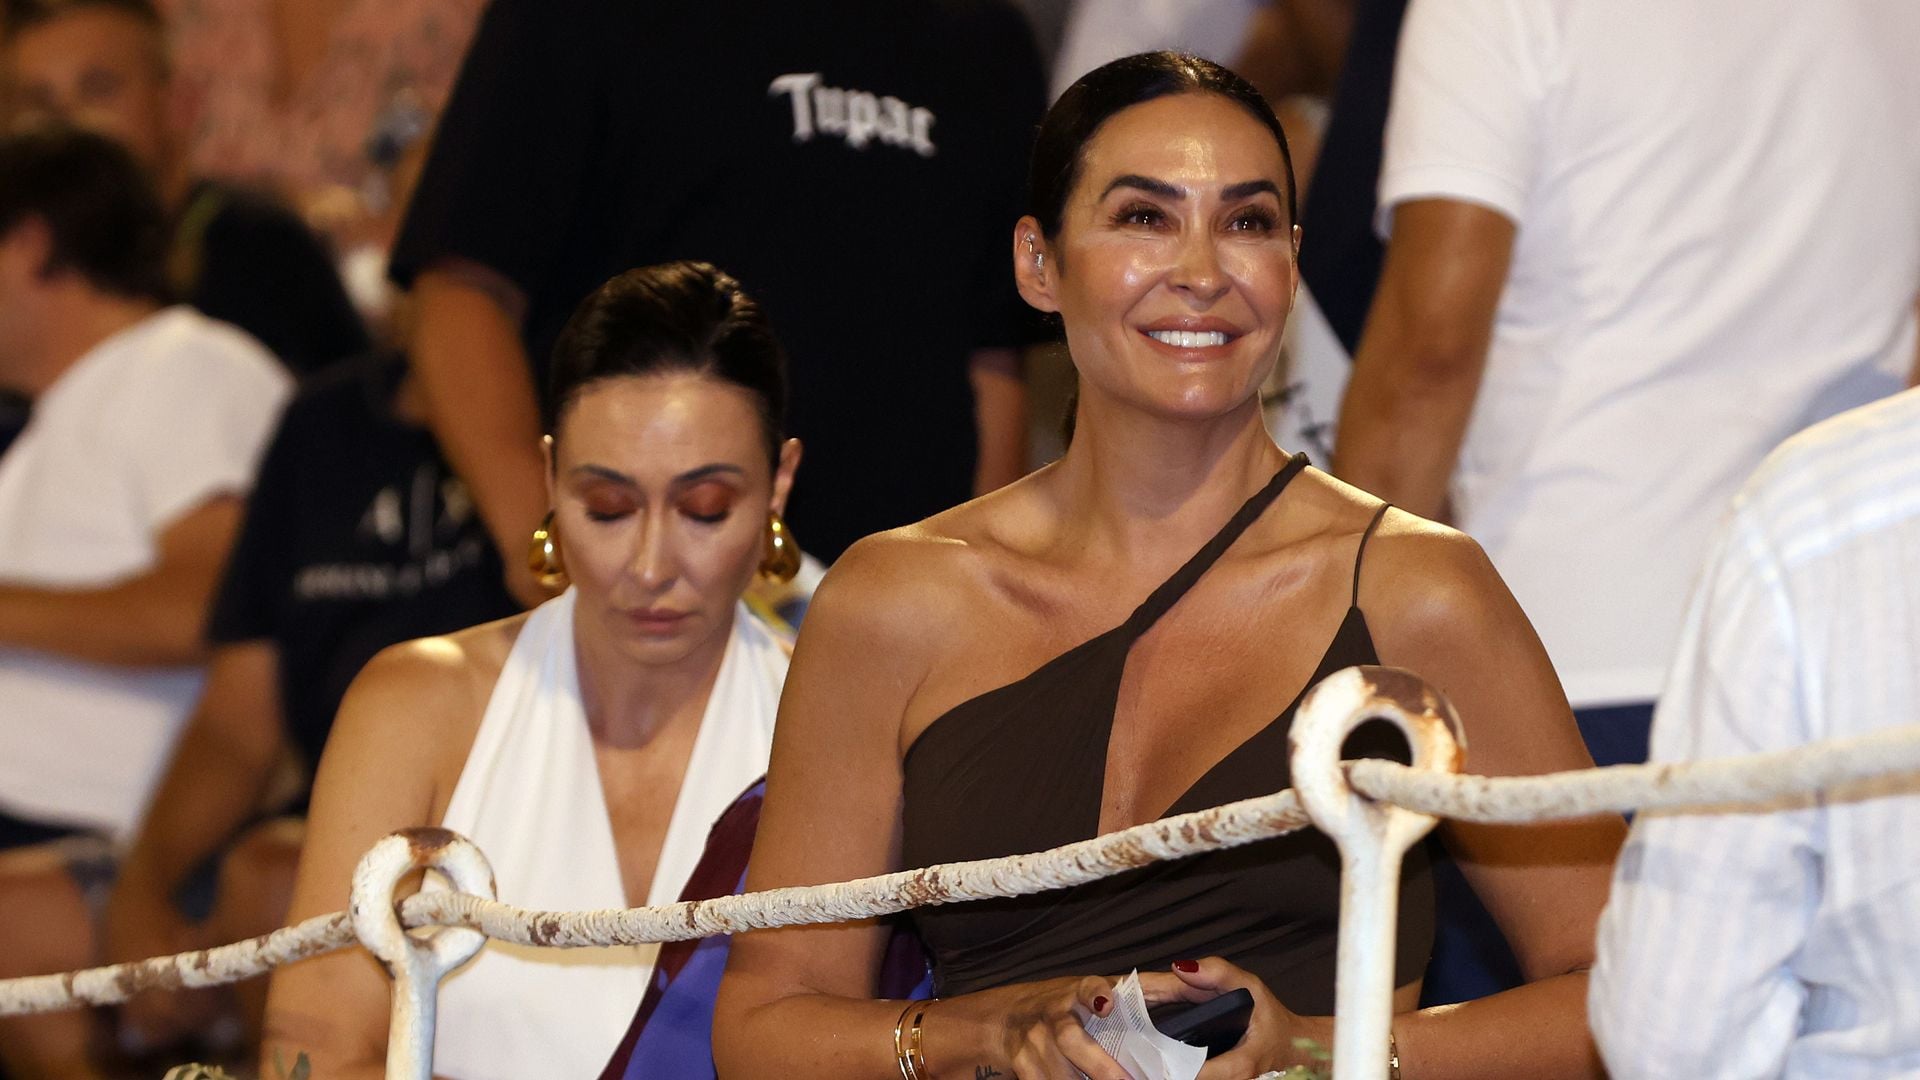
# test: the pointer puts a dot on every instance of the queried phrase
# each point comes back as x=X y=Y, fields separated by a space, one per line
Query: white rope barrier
x=1755 y=782
x=1373 y=809
x=1074 y=864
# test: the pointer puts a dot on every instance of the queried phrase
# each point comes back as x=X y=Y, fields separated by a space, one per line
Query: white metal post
x=1373 y=838
x=417 y=962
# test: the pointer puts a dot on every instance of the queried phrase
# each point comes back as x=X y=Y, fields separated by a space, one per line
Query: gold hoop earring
x=782 y=559
x=543 y=555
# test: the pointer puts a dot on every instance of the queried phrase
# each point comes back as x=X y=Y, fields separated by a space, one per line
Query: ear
x=783 y=474
x=546 y=455
x=26 y=248
x=1035 y=270
x=1293 y=297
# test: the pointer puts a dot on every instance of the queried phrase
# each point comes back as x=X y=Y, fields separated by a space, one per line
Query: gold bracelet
x=906 y=1041
x=900 y=1045
x=917 y=1060
x=1393 y=1055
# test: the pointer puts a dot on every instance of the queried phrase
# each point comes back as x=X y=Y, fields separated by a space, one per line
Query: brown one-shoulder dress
x=1020 y=768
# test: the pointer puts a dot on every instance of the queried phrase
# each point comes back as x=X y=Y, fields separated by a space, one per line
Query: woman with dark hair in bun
x=589 y=745
x=1126 y=634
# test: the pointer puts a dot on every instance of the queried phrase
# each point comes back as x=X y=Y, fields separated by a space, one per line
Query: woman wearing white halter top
x=588 y=745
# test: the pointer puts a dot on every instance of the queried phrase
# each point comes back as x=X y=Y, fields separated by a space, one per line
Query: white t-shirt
x=1719 y=243
x=142 y=429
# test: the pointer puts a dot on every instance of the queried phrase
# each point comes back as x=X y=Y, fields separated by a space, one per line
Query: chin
x=658 y=650
x=1199 y=404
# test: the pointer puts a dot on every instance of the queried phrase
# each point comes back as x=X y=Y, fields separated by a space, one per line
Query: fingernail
x=1100 y=1006
x=1188 y=966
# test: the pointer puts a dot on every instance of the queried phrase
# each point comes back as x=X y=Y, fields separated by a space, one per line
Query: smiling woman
x=590 y=745
x=1125 y=634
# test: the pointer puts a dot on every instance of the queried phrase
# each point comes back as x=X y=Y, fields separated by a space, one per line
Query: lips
x=656 y=620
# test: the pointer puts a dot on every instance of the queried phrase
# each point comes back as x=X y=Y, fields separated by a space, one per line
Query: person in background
x=234 y=254
x=588 y=746
x=356 y=537
x=1290 y=50
x=327 y=102
x=1782 y=943
x=787 y=142
x=1633 y=246
x=118 y=504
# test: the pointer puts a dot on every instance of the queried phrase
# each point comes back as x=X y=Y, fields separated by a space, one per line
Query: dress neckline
x=1157 y=603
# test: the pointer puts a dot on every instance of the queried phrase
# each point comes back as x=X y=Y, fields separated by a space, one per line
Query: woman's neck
x=628 y=704
x=1136 y=482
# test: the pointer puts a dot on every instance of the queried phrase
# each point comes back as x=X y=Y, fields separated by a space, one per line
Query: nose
x=652 y=562
x=1197 y=270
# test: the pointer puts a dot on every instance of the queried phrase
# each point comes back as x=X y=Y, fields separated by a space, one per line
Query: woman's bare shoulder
x=1428 y=588
x=1412 y=570
x=907 y=587
x=439 y=685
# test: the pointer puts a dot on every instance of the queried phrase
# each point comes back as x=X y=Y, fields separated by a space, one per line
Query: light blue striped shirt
x=1785 y=943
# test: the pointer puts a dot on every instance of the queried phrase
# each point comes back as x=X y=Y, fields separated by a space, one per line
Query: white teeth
x=1189 y=339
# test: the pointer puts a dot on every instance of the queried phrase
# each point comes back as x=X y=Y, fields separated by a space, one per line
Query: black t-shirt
x=857 y=164
x=357 y=537
x=240 y=257
x=1341 y=254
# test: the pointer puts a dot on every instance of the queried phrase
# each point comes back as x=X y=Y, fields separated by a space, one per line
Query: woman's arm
x=378 y=774
x=1438 y=608
x=795 y=1002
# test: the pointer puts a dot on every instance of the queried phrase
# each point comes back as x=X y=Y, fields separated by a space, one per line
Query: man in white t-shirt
x=1633 y=245
x=118 y=503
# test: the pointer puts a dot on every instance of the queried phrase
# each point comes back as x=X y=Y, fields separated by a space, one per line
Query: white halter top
x=530 y=797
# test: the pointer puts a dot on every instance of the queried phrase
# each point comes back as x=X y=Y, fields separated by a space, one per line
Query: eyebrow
x=1230 y=193
x=1147 y=184
x=688 y=477
x=1235 y=192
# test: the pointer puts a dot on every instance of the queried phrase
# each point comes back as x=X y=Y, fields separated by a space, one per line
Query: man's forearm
x=1000 y=416
x=155 y=619
x=481 y=402
x=1403 y=419
x=1419 y=364
x=145 y=622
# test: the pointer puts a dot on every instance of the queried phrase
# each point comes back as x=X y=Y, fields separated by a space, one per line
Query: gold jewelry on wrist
x=1393 y=1055
x=906 y=1041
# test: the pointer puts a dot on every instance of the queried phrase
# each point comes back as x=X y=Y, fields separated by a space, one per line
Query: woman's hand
x=1031 y=1031
x=1268 y=1043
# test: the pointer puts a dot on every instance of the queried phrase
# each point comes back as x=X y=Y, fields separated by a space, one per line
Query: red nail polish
x=1100 y=1006
x=1188 y=966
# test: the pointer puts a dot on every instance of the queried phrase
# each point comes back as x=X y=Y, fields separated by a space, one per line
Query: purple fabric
x=671 y=1037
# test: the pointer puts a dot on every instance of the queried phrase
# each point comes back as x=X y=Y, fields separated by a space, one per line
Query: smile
x=1189 y=339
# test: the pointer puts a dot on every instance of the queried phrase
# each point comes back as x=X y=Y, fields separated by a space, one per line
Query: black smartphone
x=1217 y=1025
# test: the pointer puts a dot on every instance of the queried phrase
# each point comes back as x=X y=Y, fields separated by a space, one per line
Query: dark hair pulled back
x=102 y=214
x=675 y=317
x=1098 y=95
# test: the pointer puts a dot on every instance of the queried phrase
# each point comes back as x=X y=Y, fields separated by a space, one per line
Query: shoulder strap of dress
x=1183 y=579
x=1362 y=552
